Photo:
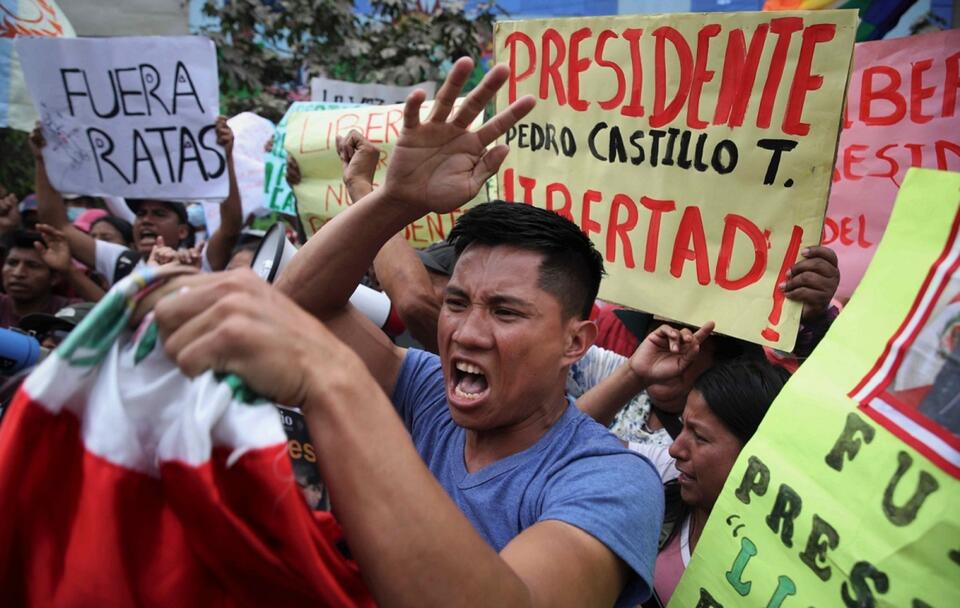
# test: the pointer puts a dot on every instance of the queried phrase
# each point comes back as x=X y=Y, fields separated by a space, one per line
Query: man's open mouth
x=469 y=380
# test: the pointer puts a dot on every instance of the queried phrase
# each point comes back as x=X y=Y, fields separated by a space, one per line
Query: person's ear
x=56 y=278
x=580 y=336
x=183 y=232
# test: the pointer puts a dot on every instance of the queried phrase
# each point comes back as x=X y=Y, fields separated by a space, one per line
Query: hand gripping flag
x=124 y=483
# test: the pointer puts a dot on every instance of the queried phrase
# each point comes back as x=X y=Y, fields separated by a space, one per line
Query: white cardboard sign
x=130 y=117
x=251 y=132
x=339 y=91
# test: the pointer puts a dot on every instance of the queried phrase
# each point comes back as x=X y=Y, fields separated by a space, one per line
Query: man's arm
x=9 y=212
x=224 y=239
x=400 y=272
x=664 y=354
x=56 y=255
x=437 y=165
x=51 y=211
x=412 y=543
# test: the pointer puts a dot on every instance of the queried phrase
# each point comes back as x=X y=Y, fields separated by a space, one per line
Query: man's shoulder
x=419 y=390
x=588 y=444
x=419 y=367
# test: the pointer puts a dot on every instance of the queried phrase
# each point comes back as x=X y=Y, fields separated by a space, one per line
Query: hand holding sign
x=813 y=281
x=439 y=164
x=360 y=158
x=225 y=136
x=293 y=171
x=37 y=142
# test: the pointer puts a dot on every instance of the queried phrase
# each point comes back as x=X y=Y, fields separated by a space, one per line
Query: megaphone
x=18 y=351
x=276 y=251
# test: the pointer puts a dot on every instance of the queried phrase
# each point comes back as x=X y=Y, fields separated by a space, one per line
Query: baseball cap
x=29 y=203
x=66 y=318
x=439 y=257
x=179 y=208
x=88 y=217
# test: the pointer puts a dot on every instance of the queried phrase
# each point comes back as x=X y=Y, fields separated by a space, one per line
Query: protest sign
x=339 y=91
x=131 y=117
x=250 y=134
x=824 y=507
x=24 y=18
x=303 y=458
x=279 y=196
x=901 y=112
x=321 y=195
x=694 y=149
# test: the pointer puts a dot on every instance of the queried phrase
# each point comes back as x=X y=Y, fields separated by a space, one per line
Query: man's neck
x=483 y=448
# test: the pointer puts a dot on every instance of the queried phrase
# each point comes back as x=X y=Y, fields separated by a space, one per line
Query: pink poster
x=901 y=112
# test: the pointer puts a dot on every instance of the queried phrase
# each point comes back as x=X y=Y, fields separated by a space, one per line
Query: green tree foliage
x=16 y=163
x=265 y=45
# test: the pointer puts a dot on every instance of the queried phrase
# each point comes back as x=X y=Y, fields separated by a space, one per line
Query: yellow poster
x=312 y=140
x=696 y=150
x=848 y=493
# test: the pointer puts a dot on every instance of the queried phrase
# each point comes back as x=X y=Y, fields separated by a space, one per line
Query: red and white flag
x=124 y=483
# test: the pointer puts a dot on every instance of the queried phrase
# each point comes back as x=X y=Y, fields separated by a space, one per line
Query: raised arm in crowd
x=571 y=522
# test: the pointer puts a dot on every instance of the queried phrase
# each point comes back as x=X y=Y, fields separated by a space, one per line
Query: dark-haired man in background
x=28 y=280
x=537 y=504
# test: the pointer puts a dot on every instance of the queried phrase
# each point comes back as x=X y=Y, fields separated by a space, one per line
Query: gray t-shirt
x=577 y=473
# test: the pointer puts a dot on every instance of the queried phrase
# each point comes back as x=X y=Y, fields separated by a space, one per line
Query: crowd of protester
x=543 y=437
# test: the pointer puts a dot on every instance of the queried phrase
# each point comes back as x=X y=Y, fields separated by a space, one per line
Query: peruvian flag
x=124 y=483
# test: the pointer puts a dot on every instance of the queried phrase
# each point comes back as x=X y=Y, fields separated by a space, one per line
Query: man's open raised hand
x=439 y=163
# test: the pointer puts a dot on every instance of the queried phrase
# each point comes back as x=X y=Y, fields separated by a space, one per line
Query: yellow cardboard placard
x=696 y=150
x=847 y=495
x=312 y=140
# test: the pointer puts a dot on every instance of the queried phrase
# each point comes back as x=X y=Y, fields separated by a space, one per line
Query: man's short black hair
x=22 y=239
x=571 y=268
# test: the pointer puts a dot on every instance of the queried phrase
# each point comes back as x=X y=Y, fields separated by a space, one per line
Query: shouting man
x=490 y=486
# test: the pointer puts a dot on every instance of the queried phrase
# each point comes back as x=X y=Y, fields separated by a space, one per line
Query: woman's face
x=705 y=452
x=104 y=231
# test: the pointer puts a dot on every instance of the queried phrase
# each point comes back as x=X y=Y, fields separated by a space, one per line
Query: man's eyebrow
x=452 y=290
x=495 y=300
x=509 y=300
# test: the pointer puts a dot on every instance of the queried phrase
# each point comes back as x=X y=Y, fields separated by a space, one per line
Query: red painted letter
x=731 y=224
x=657 y=209
x=691 y=244
x=664 y=114
x=701 y=75
x=551 y=65
x=617 y=229
x=511 y=43
x=803 y=80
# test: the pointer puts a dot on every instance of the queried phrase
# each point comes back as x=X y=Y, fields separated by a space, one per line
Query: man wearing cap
x=156 y=221
x=49 y=329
